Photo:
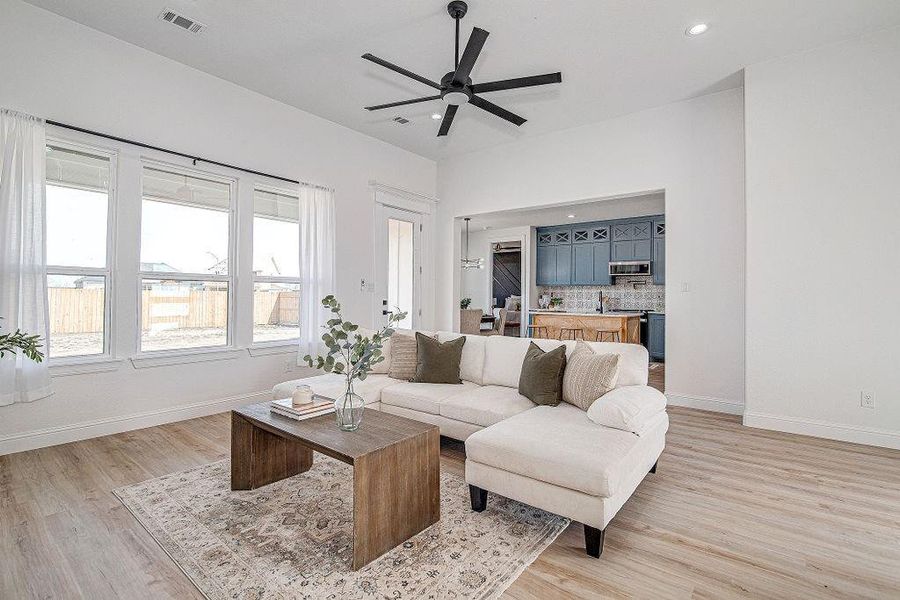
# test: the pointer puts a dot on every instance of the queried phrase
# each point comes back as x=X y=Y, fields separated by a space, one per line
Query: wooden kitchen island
x=628 y=324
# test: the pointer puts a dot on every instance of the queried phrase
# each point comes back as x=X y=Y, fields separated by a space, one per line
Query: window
x=276 y=266
x=186 y=249
x=78 y=274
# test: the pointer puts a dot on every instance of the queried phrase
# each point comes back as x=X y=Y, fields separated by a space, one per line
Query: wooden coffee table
x=396 y=468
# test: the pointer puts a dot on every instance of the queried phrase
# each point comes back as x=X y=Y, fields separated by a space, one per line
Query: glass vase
x=348 y=409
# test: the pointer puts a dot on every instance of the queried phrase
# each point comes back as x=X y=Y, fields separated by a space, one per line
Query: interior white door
x=398 y=265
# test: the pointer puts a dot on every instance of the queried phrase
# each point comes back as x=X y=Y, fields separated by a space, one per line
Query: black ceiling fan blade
x=470 y=54
x=401 y=70
x=518 y=82
x=448 y=119
x=403 y=102
x=496 y=110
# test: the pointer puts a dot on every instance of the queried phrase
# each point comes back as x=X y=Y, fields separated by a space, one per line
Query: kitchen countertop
x=585 y=314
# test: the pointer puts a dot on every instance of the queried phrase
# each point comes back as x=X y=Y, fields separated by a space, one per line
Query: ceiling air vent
x=182 y=21
x=401 y=120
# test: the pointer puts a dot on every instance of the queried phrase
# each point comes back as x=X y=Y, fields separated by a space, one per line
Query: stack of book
x=319 y=406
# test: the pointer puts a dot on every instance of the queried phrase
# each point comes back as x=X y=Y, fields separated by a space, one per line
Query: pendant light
x=471 y=263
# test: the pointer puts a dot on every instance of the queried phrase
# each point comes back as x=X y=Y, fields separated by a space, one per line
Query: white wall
x=823 y=174
x=693 y=150
x=57 y=69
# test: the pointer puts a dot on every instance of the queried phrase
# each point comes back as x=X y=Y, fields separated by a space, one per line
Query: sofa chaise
x=552 y=457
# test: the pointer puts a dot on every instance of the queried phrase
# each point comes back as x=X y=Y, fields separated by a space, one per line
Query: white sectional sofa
x=554 y=458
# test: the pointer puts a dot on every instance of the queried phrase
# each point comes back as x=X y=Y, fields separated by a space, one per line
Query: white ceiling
x=592 y=210
x=616 y=56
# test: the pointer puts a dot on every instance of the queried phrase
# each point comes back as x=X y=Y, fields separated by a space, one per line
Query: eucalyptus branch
x=351 y=354
x=19 y=341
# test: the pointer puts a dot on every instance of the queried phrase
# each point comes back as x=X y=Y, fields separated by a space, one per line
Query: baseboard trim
x=824 y=429
x=721 y=405
x=51 y=436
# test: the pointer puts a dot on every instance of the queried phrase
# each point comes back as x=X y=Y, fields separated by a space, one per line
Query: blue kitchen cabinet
x=563 y=265
x=632 y=250
x=601 y=264
x=582 y=263
x=590 y=264
x=546 y=264
x=626 y=232
x=656 y=336
x=658 y=266
x=554 y=265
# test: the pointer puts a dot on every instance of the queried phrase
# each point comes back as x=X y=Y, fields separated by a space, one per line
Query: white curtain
x=23 y=265
x=317 y=270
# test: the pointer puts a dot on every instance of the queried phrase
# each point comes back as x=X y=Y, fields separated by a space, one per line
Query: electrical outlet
x=867 y=399
x=685 y=287
x=289 y=365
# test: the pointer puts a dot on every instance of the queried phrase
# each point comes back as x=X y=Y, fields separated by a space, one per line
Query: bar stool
x=612 y=333
x=537 y=331
x=573 y=331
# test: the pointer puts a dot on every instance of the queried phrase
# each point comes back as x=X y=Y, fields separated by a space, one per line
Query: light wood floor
x=732 y=512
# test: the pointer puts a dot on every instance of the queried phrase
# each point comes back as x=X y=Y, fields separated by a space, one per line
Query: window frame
x=254 y=278
x=109 y=299
x=230 y=279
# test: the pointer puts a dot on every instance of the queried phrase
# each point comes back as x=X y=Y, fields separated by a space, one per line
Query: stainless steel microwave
x=632 y=268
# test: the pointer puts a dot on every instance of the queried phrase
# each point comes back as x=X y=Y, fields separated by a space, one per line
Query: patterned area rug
x=292 y=539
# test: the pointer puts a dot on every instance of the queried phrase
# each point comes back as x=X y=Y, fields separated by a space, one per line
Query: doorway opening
x=506 y=282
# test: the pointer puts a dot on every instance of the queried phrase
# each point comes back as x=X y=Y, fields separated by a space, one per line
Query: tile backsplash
x=627 y=293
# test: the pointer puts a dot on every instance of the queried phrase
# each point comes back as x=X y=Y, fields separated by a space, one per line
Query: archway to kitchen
x=578 y=261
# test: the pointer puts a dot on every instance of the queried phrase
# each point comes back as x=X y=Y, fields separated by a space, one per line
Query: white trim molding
x=51 y=436
x=824 y=429
x=402 y=193
x=722 y=405
x=180 y=357
x=81 y=366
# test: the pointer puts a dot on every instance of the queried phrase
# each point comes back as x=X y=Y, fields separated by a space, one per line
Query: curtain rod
x=195 y=159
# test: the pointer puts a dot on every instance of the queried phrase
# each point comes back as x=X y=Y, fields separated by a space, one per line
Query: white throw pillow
x=628 y=408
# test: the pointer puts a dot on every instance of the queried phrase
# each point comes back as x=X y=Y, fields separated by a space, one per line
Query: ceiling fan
x=456 y=87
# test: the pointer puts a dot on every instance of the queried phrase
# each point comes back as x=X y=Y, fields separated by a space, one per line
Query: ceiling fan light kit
x=456 y=87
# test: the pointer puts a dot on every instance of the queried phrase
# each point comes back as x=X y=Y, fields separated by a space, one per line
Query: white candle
x=302 y=395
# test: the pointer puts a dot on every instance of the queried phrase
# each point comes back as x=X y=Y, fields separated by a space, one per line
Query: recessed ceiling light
x=571 y=216
x=436 y=116
x=697 y=29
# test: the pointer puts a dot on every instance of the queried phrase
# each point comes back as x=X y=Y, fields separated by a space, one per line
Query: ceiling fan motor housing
x=455 y=94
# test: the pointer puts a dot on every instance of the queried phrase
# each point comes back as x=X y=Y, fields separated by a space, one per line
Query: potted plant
x=21 y=342
x=464 y=303
x=351 y=355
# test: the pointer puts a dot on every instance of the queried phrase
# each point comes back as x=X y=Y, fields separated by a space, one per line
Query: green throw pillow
x=437 y=362
x=542 y=375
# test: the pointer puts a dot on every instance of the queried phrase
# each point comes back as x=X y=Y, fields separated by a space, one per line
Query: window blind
x=177 y=188
x=75 y=169
x=273 y=205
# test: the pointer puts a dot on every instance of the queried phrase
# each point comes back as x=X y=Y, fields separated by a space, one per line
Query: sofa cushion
x=471 y=365
x=423 y=397
x=404 y=356
x=559 y=445
x=485 y=405
x=630 y=408
x=503 y=357
x=438 y=362
x=541 y=378
x=332 y=386
x=634 y=361
x=589 y=375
